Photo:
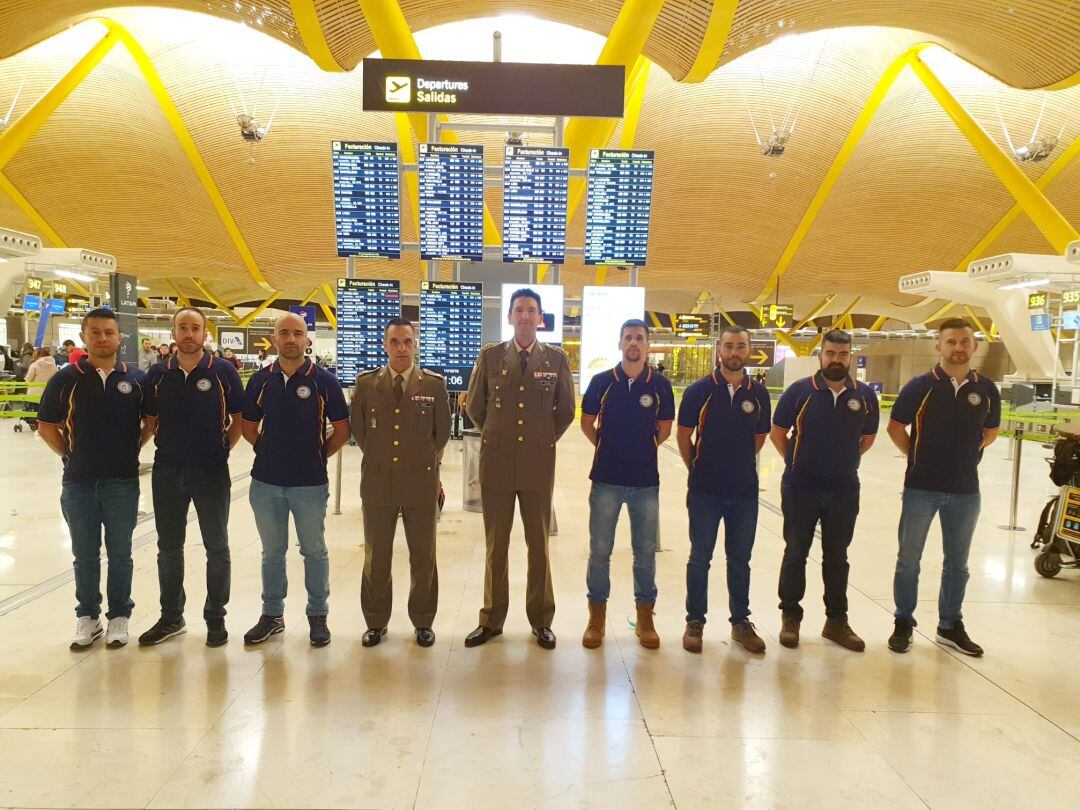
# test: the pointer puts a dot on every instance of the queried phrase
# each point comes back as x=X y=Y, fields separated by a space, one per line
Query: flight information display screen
x=618 y=206
x=451 y=201
x=364 y=305
x=451 y=324
x=367 y=209
x=535 y=186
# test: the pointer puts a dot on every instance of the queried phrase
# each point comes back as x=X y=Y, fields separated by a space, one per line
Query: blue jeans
x=605 y=503
x=272 y=506
x=740 y=527
x=89 y=506
x=958 y=514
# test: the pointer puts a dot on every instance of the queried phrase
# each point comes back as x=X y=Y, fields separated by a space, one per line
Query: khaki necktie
x=523 y=358
x=398 y=387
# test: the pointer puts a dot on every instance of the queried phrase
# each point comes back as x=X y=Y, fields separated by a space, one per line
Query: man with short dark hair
x=401 y=421
x=287 y=407
x=953 y=414
x=521 y=396
x=148 y=354
x=723 y=422
x=93 y=415
x=822 y=426
x=626 y=413
x=61 y=357
x=198 y=401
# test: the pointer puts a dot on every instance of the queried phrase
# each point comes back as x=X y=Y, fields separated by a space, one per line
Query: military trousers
x=535 y=506
x=376 y=589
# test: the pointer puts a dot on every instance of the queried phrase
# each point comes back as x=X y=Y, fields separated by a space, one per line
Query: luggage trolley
x=1058 y=535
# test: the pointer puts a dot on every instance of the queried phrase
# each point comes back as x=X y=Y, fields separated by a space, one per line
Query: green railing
x=13 y=394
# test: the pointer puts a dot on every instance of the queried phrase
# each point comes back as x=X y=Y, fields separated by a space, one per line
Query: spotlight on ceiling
x=250 y=129
x=1037 y=151
x=776 y=143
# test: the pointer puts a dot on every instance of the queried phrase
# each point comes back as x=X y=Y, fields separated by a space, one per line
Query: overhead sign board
x=762 y=353
x=124 y=300
x=1037 y=300
x=1040 y=322
x=493 y=88
x=1070 y=297
x=777 y=315
x=693 y=325
x=235 y=339
x=260 y=339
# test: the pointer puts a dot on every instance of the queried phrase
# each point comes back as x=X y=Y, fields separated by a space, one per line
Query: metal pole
x=496 y=46
x=350 y=272
x=1018 y=438
x=1058 y=364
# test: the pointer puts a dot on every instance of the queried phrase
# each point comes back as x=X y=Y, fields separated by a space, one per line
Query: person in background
x=62 y=355
x=232 y=359
x=147 y=355
x=26 y=357
x=42 y=368
x=6 y=363
x=173 y=349
x=264 y=360
x=163 y=352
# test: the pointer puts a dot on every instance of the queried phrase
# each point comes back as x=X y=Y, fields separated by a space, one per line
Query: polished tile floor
x=510 y=725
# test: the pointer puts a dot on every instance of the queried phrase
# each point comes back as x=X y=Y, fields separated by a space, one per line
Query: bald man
x=287 y=406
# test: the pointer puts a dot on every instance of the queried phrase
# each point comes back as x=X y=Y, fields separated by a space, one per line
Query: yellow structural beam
x=394 y=40
x=634 y=100
x=940 y=313
x=255 y=313
x=408 y=155
x=725 y=316
x=1045 y=179
x=181 y=299
x=979 y=324
x=311 y=34
x=331 y=296
x=200 y=285
x=703 y=299
x=329 y=314
x=1030 y=199
x=311 y=295
x=878 y=323
x=34 y=118
x=839 y=320
x=828 y=299
x=712 y=43
x=601 y=276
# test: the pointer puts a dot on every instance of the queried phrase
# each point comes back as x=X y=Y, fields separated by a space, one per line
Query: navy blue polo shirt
x=100 y=420
x=725 y=426
x=627 y=412
x=946 y=429
x=193 y=410
x=823 y=451
x=291 y=451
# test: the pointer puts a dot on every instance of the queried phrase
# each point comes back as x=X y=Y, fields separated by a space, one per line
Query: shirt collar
x=615 y=373
x=84 y=365
x=305 y=370
x=719 y=380
x=519 y=348
x=820 y=383
x=939 y=374
x=405 y=374
x=207 y=360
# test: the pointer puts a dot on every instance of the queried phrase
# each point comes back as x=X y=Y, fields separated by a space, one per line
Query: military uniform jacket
x=520 y=416
x=402 y=442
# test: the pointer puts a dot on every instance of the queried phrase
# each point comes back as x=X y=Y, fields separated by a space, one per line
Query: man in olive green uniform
x=521 y=396
x=401 y=420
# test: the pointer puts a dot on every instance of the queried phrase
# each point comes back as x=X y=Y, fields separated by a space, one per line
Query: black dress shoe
x=544 y=637
x=481 y=635
x=425 y=636
x=373 y=636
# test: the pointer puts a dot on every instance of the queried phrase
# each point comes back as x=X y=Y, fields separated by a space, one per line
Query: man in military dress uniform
x=521 y=396
x=401 y=420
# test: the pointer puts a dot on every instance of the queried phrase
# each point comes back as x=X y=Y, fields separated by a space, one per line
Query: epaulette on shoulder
x=431 y=373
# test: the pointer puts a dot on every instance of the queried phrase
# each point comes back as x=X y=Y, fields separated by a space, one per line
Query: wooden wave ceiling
x=107 y=172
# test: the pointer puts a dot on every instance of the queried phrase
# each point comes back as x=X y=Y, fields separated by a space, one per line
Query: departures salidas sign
x=493 y=88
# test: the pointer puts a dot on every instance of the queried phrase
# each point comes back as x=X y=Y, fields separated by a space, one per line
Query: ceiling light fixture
x=1023 y=285
x=74 y=276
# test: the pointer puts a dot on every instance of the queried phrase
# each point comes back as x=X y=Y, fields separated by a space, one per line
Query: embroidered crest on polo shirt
x=124 y=387
x=645 y=400
x=747 y=406
x=974 y=399
x=303 y=392
x=854 y=404
x=203 y=384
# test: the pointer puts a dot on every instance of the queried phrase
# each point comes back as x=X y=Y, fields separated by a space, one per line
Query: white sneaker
x=117 y=635
x=87 y=631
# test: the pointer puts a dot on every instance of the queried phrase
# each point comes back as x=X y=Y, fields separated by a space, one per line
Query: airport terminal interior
x=862 y=197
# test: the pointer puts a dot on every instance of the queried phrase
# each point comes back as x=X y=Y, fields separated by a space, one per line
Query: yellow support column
x=713 y=42
x=255 y=313
x=311 y=33
x=213 y=299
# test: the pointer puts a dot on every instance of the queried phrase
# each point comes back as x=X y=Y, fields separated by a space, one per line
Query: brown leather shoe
x=691 y=640
x=842 y=634
x=789 y=632
x=646 y=633
x=744 y=633
x=594 y=633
